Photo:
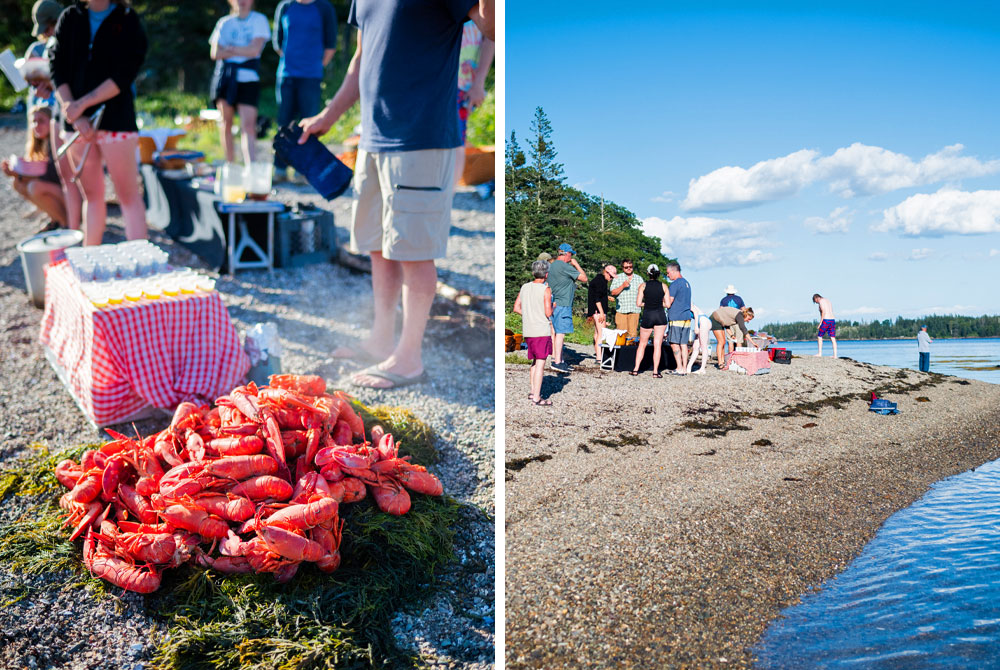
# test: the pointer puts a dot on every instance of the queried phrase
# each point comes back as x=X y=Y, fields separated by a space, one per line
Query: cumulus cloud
x=700 y=241
x=920 y=254
x=666 y=196
x=878 y=256
x=579 y=185
x=733 y=187
x=839 y=221
x=943 y=213
x=851 y=171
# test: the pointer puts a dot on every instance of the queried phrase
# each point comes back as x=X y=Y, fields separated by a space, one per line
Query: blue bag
x=324 y=171
x=883 y=406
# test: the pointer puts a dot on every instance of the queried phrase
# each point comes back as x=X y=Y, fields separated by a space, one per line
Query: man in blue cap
x=924 y=349
x=564 y=272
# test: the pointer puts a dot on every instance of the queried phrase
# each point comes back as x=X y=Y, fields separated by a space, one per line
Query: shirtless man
x=828 y=325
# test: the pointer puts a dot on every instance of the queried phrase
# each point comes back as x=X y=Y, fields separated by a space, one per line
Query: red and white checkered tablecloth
x=153 y=353
x=751 y=361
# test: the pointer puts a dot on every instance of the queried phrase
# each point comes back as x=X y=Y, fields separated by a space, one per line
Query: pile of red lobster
x=217 y=486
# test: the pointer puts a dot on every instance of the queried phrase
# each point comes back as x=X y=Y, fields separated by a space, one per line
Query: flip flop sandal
x=658 y=375
x=634 y=374
x=542 y=402
x=395 y=381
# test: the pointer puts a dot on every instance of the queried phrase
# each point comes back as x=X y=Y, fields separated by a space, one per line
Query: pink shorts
x=539 y=348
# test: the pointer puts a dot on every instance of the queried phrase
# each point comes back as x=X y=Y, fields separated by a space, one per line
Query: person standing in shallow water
x=828 y=326
x=924 y=349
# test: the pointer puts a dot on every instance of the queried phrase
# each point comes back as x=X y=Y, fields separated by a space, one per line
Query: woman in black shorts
x=652 y=299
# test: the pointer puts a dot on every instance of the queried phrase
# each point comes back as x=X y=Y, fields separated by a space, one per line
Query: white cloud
x=943 y=213
x=994 y=252
x=850 y=171
x=579 y=186
x=839 y=221
x=920 y=254
x=666 y=196
x=864 y=170
x=862 y=311
x=700 y=241
x=755 y=257
x=878 y=256
x=734 y=187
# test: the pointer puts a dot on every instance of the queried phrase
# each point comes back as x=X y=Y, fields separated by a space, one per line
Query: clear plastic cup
x=133 y=291
x=206 y=284
x=115 y=292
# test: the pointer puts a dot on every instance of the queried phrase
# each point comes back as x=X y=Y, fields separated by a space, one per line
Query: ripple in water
x=924 y=593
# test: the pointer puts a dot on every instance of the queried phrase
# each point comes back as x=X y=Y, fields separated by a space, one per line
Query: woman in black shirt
x=597 y=304
x=652 y=299
x=95 y=56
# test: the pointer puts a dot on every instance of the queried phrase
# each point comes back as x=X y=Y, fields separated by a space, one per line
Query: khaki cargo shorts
x=403 y=203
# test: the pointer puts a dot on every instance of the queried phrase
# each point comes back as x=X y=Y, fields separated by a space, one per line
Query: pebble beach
x=665 y=522
x=316 y=308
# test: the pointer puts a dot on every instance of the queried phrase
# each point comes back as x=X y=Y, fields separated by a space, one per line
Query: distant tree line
x=937 y=326
x=542 y=212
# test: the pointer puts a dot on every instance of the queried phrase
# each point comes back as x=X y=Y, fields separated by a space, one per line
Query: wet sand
x=666 y=522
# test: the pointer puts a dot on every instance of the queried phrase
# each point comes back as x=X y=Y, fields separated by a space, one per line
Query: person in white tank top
x=534 y=304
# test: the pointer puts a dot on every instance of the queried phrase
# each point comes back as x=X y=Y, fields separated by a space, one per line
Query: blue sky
x=837 y=149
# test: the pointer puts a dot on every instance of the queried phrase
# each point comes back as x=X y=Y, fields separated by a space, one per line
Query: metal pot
x=40 y=250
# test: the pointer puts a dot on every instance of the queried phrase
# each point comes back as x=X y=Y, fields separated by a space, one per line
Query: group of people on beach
x=646 y=312
x=412 y=104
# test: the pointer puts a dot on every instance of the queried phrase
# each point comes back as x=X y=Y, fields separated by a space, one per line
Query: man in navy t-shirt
x=305 y=36
x=403 y=72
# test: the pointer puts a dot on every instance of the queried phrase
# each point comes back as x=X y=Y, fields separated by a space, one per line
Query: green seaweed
x=414 y=437
x=316 y=620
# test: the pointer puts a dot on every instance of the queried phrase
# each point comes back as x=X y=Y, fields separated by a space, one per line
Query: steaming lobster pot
x=40 y=250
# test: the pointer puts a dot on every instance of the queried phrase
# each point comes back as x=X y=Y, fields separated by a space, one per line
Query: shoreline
x=667 y=522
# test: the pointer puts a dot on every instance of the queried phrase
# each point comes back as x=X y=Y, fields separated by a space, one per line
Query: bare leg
x=226 y=129
x=720 y=345
x=641 y=350
x=557 y=348
x=537 y=374
x=820 y=341
x=73 y=199
x=48 y=197
x=834 y=340
x=419 y=283
x=657 y=347
x=91 y=182
x=248 y=130
x=124 y=172
x=598 y=329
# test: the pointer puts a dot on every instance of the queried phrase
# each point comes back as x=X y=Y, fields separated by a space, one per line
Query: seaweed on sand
x=219 y=621
x=414 y=437
x=315 y=621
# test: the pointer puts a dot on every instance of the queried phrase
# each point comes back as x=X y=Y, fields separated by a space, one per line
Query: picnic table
x=128 y=361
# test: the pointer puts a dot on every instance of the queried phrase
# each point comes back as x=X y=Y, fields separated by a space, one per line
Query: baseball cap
x=730 y=289
x=611 y=270
x=923 y=326
x=651 y=268
x=565 y=248
x=44 y=12
x=544 y=256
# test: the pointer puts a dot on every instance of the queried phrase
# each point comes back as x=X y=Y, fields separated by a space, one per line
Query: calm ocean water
x=971 y=358
x=925 y=592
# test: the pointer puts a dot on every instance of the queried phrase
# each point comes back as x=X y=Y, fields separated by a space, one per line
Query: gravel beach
x=316 y=308
x=665 y=522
